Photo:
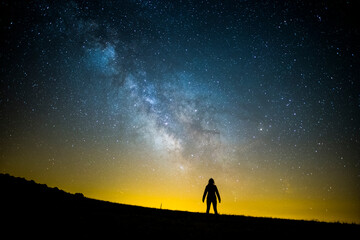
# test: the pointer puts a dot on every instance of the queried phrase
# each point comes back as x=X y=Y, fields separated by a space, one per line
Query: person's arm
x=218 y=195
x=205 y=192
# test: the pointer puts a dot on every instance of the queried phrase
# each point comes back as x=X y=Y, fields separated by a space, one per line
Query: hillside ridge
x=38 y=208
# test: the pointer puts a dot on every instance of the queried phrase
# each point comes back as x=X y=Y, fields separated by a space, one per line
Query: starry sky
x=141 y=102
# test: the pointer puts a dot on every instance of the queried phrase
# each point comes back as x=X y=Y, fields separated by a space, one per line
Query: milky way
x=263 y=95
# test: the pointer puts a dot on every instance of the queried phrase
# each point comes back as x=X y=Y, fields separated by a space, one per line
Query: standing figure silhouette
x=211 y=190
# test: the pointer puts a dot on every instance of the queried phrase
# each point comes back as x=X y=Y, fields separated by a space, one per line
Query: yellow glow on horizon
x=275 y=208
x=185 y=198
x=178 y=185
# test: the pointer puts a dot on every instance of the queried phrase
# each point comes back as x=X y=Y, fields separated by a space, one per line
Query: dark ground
x=31 y=209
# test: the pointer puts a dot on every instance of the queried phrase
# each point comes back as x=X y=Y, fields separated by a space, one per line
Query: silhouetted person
x=211 y=190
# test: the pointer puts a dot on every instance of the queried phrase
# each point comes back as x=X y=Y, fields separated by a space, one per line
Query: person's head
x=211 y=181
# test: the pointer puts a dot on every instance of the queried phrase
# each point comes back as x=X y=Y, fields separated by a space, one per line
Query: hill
x=28 y=208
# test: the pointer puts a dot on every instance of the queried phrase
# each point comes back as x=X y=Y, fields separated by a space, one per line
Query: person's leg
x=208 y=206
x=215 y=206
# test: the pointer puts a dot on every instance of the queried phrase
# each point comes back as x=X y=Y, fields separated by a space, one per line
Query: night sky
x=141 y=102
